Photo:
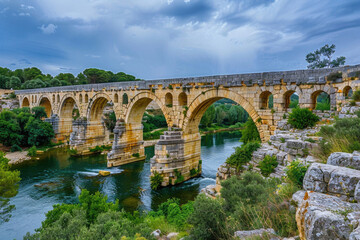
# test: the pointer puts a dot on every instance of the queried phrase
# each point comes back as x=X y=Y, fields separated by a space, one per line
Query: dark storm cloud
x=162 y=38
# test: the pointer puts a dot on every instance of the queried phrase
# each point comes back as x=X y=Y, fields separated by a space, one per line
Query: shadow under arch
x=45 y=102
x=137 y=106
x=65 y=113
x=203 y=101
x=25 y=102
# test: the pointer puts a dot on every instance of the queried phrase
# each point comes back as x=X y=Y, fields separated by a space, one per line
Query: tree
x=39 y=112
x=14 y=83
x=67 y=77
x=208 y=117
x=250 y=132
x=9 y=184
x=322 y=58
x=39 y=132
x=31 y=73
x=95 y=75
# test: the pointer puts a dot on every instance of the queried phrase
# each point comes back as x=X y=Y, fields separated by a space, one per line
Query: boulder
x=156 y=233
x=295 y=144
x=255 y=233
x=323 y=217
x=104 y=173
x=172 y=235
x=325 y=178
x=345 y=159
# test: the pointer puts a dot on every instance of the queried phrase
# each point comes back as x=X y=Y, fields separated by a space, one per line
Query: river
x=59 y=178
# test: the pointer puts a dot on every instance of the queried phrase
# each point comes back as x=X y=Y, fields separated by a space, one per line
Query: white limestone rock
x=255 y=233
x=345 y=159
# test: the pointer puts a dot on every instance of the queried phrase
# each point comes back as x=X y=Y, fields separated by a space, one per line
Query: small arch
x=32 y=98
x=80 y=98
x=53 y=98
x=25 y=102
x=348 y=92
x=320 y=100
x=45 y=102
x=86 y=98
x=58 y=98
x=182 y=99
x=291 y=99
x=35 y=99
x=266 y=100
x=168 y=100
x=116 y=98
x=125 y=99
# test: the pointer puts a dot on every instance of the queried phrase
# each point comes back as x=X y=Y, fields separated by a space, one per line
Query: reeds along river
x=59 y=178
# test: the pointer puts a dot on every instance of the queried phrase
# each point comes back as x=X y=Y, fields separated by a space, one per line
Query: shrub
x=268 y=165
x=137 y=155
x=242 y=155
x=356 y=95
x=32 y=151
x=208 y=219
x=96 y=149
x=155 y=180
x=15 y=148
x=282 y=140
x=250 y=132
x=302 y=118
x=295 y=172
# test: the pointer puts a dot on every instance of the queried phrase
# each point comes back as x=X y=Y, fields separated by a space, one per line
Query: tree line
x=33 y=77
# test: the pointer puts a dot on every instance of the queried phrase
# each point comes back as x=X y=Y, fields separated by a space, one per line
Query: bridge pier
x=128 y=144
x=177 y=157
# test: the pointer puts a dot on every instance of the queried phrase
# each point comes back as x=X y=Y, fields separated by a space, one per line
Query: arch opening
x=125 y=99
x=291 y=99
x=347 y=92
x=169 y=100
x=116 y=98
x=80 y=98
x=182 y=99
x=45 y=102
x=266 y=100
x=25 y=102
x=86 y=98
x=69 y=111
x=320 y=100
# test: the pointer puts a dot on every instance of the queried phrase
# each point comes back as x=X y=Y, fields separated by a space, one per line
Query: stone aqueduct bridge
x=183 y=102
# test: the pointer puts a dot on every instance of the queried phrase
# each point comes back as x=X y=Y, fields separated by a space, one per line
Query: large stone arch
x=65 y=112
x=315 y=92
x=25 y=102
x=204 y=100
x=65 y=100
x=137 y=105
x=96 y=106
x=287 y=92
x=45 y=102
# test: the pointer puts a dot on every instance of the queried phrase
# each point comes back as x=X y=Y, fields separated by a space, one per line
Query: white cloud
x=49 y=29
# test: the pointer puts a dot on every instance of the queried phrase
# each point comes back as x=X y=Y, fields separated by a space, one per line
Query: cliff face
x=7 y=101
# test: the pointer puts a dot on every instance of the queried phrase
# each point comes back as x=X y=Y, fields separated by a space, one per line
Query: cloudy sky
x=155 y=39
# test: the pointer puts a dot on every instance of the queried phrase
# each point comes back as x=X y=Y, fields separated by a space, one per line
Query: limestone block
x=324 y=217
x=255 y=233
x=295 y=144
x=345 y=159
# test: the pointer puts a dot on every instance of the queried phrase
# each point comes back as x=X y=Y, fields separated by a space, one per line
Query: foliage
x=24 y=128
x=29 y=78
x=39 y=112
x=268 y=165
x=242 y=155
x=15 y=148
x=208 y=116
x=356 y=95
x=137 y=155
x=322 y=58
x=9 y=184
x=110 y=121
x=302 y=118
x=32 y=151
x=343 y=136
x=155 y=180
x=208 y=219
x=323 y=102
x=250 y=132
x=295 y=172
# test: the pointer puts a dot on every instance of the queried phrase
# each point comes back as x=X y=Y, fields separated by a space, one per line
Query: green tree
x=250 y=132
x=110 y=121
x=36 y=83
x=95 y=75
x=31 y=73
x=14 y=83
x=39 y=112
x=208 y=116
x=10 y=129
x=3 y=81
x=67 y=77
x=9 y=184
x=39 y=132
x=322 y=58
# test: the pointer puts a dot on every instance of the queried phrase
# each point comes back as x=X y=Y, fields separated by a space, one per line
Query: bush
x=302 y=118
x=155 y=180
x=295 y=172
x=32 y=151
x=15 y=148
x=268 y=165
x=250 y=132
x=208 y=219
x=242 y=155
x=136 y=155
x=356 y=95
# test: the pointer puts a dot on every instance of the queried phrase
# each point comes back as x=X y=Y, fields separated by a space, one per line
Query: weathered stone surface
x=345 y=159
x=295 y=144
x=255 y=233
x=324 y=217
x=355 y=235
x=357 y=192
x=331 y=179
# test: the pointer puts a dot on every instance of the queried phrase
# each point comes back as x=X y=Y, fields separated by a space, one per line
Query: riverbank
x=203 y=133
x=17 y=157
